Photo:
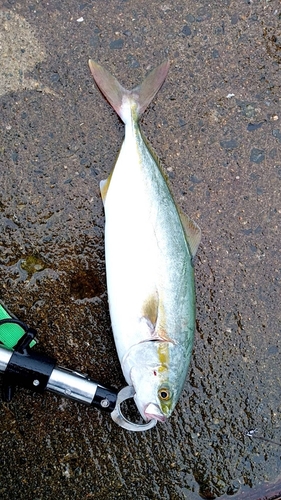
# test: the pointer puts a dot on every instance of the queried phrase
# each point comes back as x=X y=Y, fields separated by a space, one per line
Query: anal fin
x=192 y=232
x=104 y=185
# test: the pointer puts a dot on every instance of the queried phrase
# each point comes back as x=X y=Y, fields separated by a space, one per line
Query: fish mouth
x=152 y=411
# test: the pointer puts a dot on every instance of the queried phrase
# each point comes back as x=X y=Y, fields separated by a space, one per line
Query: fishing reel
x=23 y=367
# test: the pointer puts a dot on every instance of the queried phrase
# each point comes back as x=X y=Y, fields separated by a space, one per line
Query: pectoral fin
x=192 y=232
x=149 y=331
x=150 y=309
x=150 y=319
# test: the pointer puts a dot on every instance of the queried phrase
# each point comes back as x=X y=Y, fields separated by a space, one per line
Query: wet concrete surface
x=216 y=127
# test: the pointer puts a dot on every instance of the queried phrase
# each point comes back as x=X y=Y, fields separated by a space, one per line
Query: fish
x=150 y=246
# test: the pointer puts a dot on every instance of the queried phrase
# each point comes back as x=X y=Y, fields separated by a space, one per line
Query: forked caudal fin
x=119 y=97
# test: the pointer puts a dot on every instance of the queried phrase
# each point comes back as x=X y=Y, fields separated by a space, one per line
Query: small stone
x=215 y=54
x=272 y=349
x=272 y=153
x=116 y=44
x=257 y=155
x=250 y=110
x=219 y=30
x=186 y=31
x=277 y=134
x=54 y=77
x=133 y=63
x=85 y=162
x=254 y=126
x=15 y=156
x=190 y=18
x=182 y=123
x=231 y=144
x=94 y=41
x=195 y=179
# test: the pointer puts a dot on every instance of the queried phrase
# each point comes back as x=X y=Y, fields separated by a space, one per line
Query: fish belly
x=147 y=257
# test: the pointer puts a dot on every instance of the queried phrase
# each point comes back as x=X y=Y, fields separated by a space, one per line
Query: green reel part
x=11 y=329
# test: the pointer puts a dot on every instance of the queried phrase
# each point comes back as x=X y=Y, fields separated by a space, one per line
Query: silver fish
x=149 y=249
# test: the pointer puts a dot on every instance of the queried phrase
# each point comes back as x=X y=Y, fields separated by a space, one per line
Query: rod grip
x=27 y=369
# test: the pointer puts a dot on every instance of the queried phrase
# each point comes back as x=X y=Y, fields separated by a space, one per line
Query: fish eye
x=164 y=394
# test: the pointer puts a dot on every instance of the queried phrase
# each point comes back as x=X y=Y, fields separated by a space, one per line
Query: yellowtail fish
x=149 y=250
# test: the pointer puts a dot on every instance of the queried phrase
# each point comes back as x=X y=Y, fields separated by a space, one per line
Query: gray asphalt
x=216 y=127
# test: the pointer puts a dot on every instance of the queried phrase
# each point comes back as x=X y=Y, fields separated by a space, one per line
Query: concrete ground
x=216 y=127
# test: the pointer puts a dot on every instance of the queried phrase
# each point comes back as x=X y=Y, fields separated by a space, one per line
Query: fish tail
x=122 y=99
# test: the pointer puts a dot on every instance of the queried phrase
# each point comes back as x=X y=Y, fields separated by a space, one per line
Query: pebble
x=190 y=18
x=277 y=134
x=254 y=126
x=215 y=54
x=231 y=144
x=257 y=155
x=116 y=44
x=186 y=31
x=133 y=63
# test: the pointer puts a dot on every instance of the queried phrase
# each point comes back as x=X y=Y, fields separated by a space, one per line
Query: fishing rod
x=22 y=366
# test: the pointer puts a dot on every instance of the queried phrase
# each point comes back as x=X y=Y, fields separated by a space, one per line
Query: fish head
x=153 y=393
x=153 y=378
